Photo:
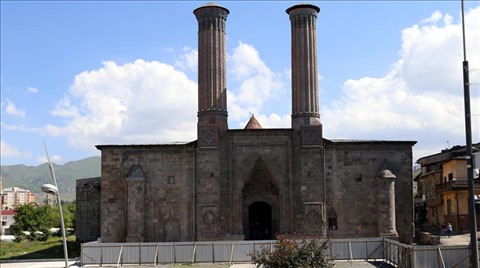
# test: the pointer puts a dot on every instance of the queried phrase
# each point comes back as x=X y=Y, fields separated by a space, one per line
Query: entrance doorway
x=260 y=221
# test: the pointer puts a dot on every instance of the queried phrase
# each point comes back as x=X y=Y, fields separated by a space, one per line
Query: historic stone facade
x=254 y=183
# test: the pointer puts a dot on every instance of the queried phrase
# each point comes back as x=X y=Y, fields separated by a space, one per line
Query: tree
x=36 y=220
x=69 y=214
x=287 y=253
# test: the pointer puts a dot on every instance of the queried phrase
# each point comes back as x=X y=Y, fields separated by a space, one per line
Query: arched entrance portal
x=260 y=221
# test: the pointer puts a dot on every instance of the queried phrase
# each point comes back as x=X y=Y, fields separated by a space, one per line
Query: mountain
x=32 y=177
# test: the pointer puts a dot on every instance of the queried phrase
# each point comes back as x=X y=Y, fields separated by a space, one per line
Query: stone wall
x=166 y=203
x=88 y=194
x=352 y=170
x=184 y=193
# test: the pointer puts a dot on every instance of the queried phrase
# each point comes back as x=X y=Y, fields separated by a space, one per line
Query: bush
x=288 y=254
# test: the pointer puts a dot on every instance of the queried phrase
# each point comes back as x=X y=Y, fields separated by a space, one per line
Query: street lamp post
x=468 y=135
x=53 y=189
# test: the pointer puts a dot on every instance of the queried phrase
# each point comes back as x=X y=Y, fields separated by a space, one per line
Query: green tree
x=35 y=219
x=69 y=214
x=287 y=253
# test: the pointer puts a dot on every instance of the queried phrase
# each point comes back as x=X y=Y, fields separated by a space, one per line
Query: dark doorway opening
x=260 y=221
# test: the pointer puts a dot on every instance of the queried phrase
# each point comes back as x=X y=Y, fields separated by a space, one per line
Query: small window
x=171 y=180
x=332 y=223
x=358 y=177
x=450 y=176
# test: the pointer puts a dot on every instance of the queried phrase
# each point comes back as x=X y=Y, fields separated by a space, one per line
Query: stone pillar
x=386 y=204
x=305 y=110
x=212 y=88
x=135 y=205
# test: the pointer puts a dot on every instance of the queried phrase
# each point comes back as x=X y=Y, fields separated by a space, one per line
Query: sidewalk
x=462 y=239
x=39 y=264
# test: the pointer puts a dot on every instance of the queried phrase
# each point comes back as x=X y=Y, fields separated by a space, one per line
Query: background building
x=443 y=189
x=13 y=197
x=7 y=219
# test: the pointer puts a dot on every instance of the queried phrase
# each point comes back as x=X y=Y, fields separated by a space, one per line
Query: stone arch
x=260 y=195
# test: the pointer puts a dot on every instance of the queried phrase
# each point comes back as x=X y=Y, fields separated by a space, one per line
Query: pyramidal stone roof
x=253 y=123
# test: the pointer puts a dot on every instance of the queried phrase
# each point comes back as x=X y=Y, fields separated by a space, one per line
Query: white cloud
x=21 y=128
x=32 y=90
x=434 y=18
x=8 y=150
x=188 y=60
x=257 y=83
x=12 y=109
x=421 y=97
x=140 y=102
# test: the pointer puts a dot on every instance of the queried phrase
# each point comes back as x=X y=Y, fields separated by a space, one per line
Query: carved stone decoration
x=172 y=226
x=260 y=181
x=136 y=173
x=208 y=221
x=135 y=204
x=386 y=204
x=313 y=217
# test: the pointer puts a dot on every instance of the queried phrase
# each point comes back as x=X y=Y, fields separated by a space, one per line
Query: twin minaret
x=212 y=86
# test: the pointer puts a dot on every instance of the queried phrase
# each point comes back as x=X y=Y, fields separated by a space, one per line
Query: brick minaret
x=212 y=86
x=305 y=111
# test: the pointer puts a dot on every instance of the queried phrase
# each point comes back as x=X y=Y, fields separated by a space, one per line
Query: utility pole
x=468 y=136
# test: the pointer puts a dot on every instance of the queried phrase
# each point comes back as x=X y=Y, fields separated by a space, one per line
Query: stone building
x=254 y=183
x=87 y=197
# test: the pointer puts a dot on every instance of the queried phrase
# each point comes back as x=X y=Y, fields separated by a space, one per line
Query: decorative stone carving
x=260 y=181
x=208 y=220
x=171 y=221
x=314 y=218
x=135 y=204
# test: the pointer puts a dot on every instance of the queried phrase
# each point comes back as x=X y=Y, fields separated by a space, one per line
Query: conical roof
x=253 y=123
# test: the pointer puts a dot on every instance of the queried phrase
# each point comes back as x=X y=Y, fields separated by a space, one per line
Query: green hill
x=32 y=177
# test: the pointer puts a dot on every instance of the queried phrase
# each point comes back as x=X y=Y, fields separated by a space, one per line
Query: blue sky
x=77 y=74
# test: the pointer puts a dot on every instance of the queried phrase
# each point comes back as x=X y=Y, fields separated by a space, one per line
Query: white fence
x=352 y=249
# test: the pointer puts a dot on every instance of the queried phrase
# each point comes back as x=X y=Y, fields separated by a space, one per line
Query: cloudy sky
x=78 y=74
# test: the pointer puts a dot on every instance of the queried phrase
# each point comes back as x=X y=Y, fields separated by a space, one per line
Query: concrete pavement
x=38 y=264
x=462 y=239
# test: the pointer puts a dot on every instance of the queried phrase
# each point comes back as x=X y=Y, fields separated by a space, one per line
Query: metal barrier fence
x=352 y=249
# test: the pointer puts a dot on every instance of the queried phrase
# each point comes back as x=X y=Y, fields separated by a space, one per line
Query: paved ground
x=463 y=239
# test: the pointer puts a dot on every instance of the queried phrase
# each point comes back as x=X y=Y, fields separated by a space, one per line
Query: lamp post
x=468 y=135
x=53 y=189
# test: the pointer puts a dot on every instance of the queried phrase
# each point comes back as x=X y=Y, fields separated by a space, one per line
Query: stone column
x=135 y=205
x=386 y=204
x=305 y=110
x=212 y=86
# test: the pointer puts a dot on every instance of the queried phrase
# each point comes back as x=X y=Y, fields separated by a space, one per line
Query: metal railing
x=352 y=249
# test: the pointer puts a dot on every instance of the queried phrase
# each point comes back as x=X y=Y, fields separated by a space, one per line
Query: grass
x=50 y=249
